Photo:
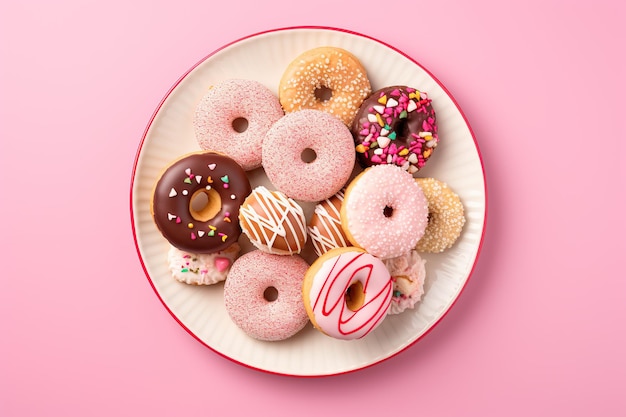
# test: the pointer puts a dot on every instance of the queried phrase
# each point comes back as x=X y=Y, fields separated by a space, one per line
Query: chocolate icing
x=171 y=201
x=397 y=125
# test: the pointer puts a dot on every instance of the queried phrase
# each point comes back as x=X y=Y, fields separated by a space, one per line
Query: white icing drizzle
x=331 y=220
x=273 y=220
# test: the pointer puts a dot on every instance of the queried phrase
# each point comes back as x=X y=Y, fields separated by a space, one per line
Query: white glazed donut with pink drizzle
x=347 y=293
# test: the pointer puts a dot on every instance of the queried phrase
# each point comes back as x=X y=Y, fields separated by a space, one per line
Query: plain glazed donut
x=347 y=293
x=195 y=202
x=273 y=222
x=233 y=118
x=263 y=295
x=325 y=70
x=396 y=125
x=314 y=131
x=201 y=268
x=445 y=216
x=384 y=211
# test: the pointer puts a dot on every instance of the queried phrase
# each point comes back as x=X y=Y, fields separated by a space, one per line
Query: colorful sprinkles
x=380 y=136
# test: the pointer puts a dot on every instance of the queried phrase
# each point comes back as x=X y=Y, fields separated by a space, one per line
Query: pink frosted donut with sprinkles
x=233 y=118
x=347 y=293
x=195 y=202
x=396 y=125
x=308 y=155
x=201 y=268
x=263 y=295
x=384 y=211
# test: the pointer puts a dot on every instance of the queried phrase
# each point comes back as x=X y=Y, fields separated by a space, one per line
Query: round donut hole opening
x=308 y=155
x=388 y=211
x=355 y=296
x=323 y=93
x=204 y=205
x=402 y=129
x=240 y=124
x=270 y=294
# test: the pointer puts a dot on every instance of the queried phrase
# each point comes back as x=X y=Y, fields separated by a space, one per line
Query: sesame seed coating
x=329 y=68
x=445 y=216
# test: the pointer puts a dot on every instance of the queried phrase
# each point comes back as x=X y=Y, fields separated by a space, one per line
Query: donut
x=324 y=227
x=408 y=273
x=273 y=222
x=384 y=211
x=287 y=147
x=347 y=293
x=395 y=125
x=201 y=268
x=263 y=295
x=233 y=118
x=445 y=216
x=326 y=78
x=195 y=202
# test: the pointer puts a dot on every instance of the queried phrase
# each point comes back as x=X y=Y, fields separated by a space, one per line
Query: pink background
x=539 y=328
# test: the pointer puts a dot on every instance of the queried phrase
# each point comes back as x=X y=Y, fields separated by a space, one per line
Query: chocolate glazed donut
x=195 y=203
x=395 y=125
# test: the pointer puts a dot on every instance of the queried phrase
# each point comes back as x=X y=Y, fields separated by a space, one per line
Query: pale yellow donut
x=445 y=216
x=324 y=71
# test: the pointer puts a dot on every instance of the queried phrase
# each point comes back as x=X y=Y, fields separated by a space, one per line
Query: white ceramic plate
x=200 y=310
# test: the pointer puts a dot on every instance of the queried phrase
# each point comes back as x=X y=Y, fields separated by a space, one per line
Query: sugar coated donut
x=445 y=216
x=347 y=293
x=285 y=148
x=324 y=227
x=384 y=211
x=408 y=273
x=263 y=295
x=396 y=125
x=325 y=78
x=273 y=222
x=195 y=202
x=233 y=117
x=201 y=268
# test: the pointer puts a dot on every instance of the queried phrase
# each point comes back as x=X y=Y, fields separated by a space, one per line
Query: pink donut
x=263 y=295
x=384 y=211
x=347 y=293
x=233 y=118
x=308 y=132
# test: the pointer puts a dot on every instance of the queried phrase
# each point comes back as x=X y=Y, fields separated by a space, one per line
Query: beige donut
x=445 y=216
x=326 y=78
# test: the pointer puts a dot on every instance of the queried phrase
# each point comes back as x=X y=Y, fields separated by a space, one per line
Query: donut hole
x=240 y=124
x=308 y=155
x=402 y=128
x=355 y=296
x=323 y=93
x=388 y=211
x=270 y=294
x=205 y=204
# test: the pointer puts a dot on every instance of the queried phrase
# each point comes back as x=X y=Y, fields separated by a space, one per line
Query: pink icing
x=230 y=100
x=249 y=277
x=308 y=129
x=364 y=206
x=329 y=287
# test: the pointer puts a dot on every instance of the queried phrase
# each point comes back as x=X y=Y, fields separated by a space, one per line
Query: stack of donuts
x=329 y=142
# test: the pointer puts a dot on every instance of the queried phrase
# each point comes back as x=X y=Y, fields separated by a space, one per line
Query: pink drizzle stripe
x=331 y=311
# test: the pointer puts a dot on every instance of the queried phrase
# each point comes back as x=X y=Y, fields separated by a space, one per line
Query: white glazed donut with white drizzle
x=273 y=222
x=324 y=228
